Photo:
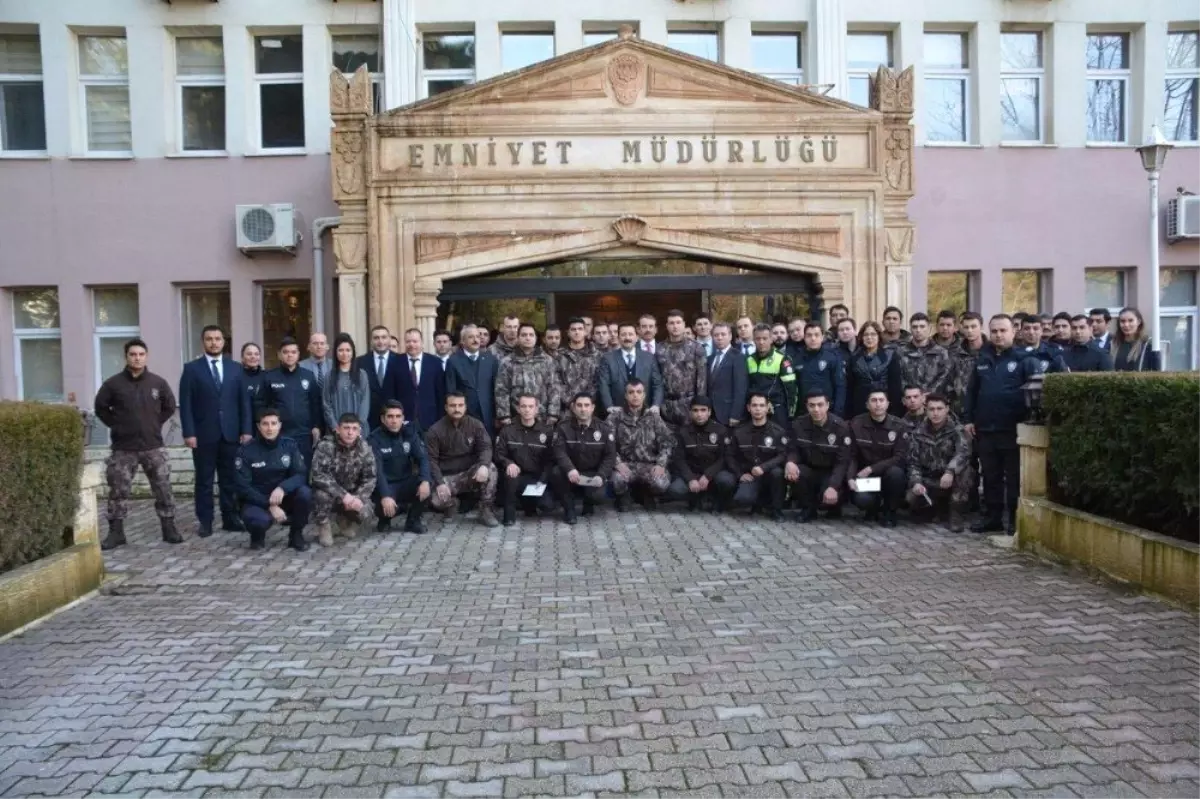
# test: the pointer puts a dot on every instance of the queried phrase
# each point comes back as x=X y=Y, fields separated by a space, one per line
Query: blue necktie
x=216 y=373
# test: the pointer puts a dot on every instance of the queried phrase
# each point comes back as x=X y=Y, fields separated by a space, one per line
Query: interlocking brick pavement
x=656 y=654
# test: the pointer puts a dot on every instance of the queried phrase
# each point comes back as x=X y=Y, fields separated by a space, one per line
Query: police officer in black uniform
x=401 y=470
x=699 y=460
x=992 y=408
x=819 y=458
x=272 y=483
x=585 y=452
x=756 y=454
x=293 y=391
x=879 y=449
x=523 y=453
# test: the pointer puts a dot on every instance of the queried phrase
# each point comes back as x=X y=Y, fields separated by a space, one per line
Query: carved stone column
x=425 y=305
x=350 y=105
x=892 y=94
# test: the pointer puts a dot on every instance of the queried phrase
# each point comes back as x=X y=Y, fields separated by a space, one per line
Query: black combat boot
x=169 y=533
x=649 y=501
x=806 y=515
x=888 y=518
x=623 y=503
x=258 y=540
x=116 y=535
x=510 y=515
x=412 y=522
x=296 y=539
x=589 y=507
x=383 y=525
x=988 y=525
x=233 y=524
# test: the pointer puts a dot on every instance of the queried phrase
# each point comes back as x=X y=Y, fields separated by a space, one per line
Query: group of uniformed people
x=715 y=416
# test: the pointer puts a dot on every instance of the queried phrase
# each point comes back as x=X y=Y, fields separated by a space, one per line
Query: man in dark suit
x=471 y=371
x=384 y=369
x=627 y=361
x=421 y=383
x=728 y=379
x=216 y=417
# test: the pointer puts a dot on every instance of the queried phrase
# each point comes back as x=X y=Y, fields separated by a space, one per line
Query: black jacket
x=297 y=397
x=877 y=372
x=397 y=456
x=700 y=451
x=1087 y=358
x=825 y=447
x=749 y=446
x=588 y=450
x=994 y=401
x=135 y=409
x=262 y=466
x=529 y=448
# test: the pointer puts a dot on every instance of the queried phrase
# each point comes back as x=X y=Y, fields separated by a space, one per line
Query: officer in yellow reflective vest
x=771 y=375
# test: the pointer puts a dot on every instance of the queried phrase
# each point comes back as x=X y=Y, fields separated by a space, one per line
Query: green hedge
x=1126 y=446
x=41 y=452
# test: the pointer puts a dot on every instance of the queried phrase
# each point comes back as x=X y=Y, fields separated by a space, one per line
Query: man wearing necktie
x=384 y=373
x=421 y=382
x=647 y=330
x=216 y=416
x=471 y=371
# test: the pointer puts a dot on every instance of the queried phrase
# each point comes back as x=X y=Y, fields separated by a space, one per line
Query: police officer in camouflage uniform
x=585 y=452
x=134 y=404
x=272 y=483
x=527 y=370
x=683 y=365
x=922 y=362
x=644 y=445
x=578 y=363
x=962 y=355
x=756 y=453
x=939 y=463
x=819 y=458
x=699 y=460
x=343 y=480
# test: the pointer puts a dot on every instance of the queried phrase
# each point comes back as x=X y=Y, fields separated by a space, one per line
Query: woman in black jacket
x=1131 y=344
x=255 y=374
x=873 y=367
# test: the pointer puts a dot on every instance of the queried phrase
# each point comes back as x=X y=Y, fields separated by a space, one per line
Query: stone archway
x=621 y=148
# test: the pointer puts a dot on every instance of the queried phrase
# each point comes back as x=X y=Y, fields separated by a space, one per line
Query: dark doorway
x=622 y=290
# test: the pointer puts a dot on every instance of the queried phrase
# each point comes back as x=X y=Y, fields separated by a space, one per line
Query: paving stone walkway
x=650 y=654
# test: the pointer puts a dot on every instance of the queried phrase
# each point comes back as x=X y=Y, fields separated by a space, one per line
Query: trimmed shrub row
x=1126 y=446
x=41 y=452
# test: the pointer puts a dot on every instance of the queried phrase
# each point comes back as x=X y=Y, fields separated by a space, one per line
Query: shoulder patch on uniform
x=406 y=446
x=596 y=435
x=847 y=442
x=768 y=441
x=712 y=438
x=611 y=437
x=304 y=383
x=783 y=440
x=542 y=438
x=891 y=435
x=821 y=365
x=237 y=462
x=154 y=393
x=1012 y=366
x=832 y=438
x=286 y=460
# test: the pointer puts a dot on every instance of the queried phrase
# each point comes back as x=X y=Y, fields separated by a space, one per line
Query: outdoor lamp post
x=1154 y=155
x=1033 y=399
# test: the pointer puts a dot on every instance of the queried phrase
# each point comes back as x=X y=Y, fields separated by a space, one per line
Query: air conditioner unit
x=267 y=228
x=1183 y=218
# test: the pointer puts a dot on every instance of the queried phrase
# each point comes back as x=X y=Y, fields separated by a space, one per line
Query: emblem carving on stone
x=900 y=244
x=897 y=166
x=348 y=149
x=892 y=91
x=627 y=76
x=630 y=229
x=350 y=250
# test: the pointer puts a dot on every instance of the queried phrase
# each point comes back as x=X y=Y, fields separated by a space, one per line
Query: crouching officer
x=939 y=463
x=343 y=480
x=272 y=482
x=523 y=455
x=585 y=452
x=879 y=449
x=699 y=460
x=401 y=472
x=819 y=458
x=756 y=454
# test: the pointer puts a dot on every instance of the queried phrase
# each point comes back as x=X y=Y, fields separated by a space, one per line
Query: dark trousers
x=779 y=415
x=1000 y=461
x=296 y=505
x=404 y=492
x=566 y=491
x=892 y=483
x=512 y=489
x=304 y=444
x=765 y=491
x=721 y=488
x=207 y=460
x=811 y=485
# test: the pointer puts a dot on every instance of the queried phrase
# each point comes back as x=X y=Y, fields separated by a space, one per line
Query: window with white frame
x=447 y=61
x=866 y=52
x=203 y=306
x=1178 y=317
x=353 y=51
x=1181 y=112
x=1022 y=69
x=947 y=90
x=702 y=40
x=22 y=109
x=1107 y=87
x=777 y=55
x=104 y=83
x=279 y=73
x=200 y=93
x=38 y=340
x=597 y=32
x=115 y=321
x=519 y=48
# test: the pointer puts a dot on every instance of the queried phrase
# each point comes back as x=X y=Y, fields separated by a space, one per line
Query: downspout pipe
x=319 y=226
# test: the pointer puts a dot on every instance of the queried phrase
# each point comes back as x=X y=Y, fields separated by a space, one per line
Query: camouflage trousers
x=464 y=483
x=959 y=493
x=640 y=474
x=676 y=412
x=325 y=505
x=122 y=466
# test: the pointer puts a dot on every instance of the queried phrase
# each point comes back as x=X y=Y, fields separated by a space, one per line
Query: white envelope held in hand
x=869 y=485
x=534 y=490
